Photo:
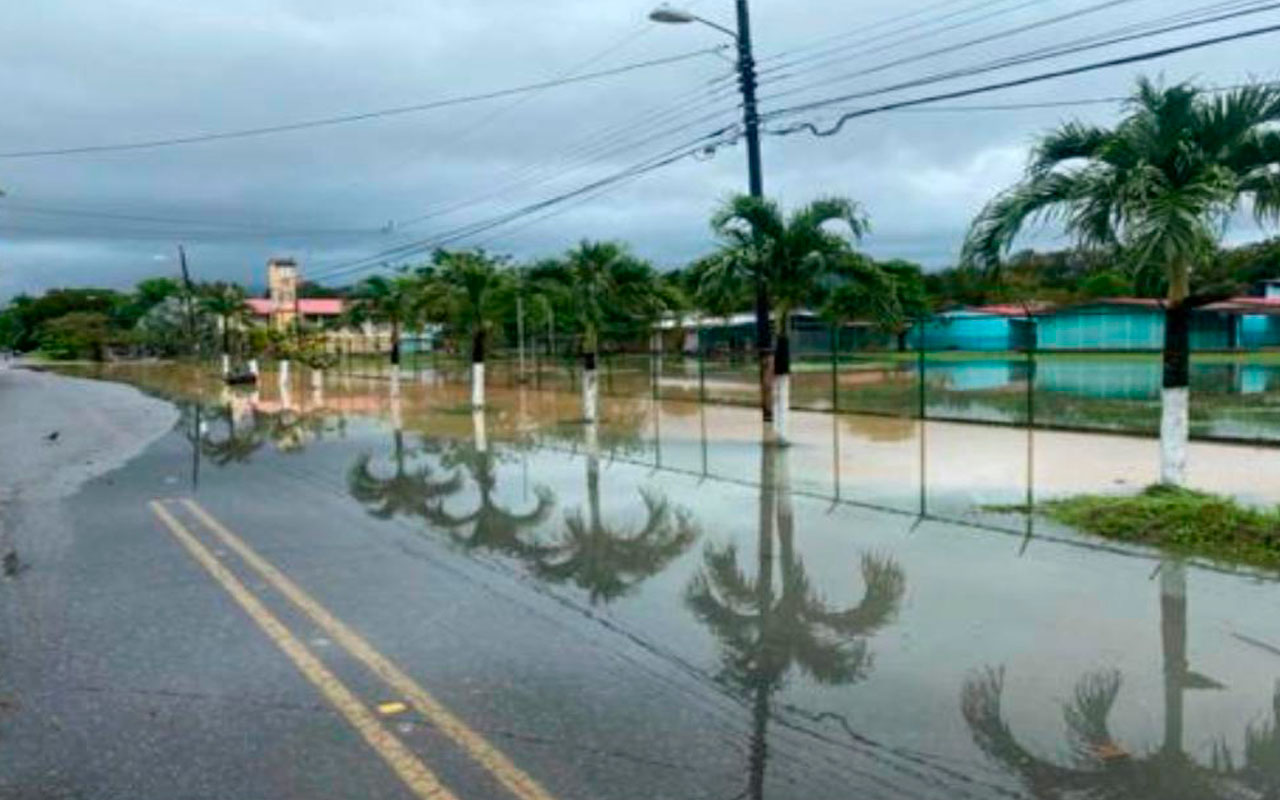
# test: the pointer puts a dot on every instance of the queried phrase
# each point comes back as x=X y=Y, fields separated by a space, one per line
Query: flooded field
x=838 y=618
x=1234 y=397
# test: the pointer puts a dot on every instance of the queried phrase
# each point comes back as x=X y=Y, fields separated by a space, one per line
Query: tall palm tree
x=394 y=301
x=606 y=285
x=469 y=289
x=1156 y=190
x=765 y=630
x=796 y=255
x=226 y=301
x=608 y=560
x=1100 y=766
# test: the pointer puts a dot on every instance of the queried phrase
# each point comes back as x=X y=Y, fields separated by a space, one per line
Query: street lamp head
x=671 y=15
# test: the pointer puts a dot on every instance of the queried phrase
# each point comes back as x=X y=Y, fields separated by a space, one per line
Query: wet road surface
x=362 y=592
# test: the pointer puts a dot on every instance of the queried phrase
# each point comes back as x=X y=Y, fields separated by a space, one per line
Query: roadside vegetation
x=1179 y=520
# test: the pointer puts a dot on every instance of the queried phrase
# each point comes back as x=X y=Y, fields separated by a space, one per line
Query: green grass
x=1182 y=521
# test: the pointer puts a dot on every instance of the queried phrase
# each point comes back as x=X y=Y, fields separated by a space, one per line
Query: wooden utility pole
x=190 y=301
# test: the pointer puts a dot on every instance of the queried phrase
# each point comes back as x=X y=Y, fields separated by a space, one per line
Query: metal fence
x=1235 y=392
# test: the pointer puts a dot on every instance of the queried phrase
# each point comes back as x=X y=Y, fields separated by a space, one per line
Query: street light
x=755 y=181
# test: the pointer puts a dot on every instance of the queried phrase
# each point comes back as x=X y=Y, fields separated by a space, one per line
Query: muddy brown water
x=880 y=634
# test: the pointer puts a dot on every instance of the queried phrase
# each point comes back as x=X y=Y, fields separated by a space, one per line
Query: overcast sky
x=80 y=73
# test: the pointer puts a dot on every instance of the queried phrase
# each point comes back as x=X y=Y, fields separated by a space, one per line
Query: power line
x=588 y=147
x=56 y=211
x=1078 y=102
x=1041 y=54
x=357 y=117
x=709 y=141
x=1105 y=5
x=1044 y=76
x=917 y=32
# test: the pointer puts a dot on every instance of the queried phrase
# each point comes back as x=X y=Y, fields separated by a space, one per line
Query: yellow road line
x=411 y=771
x=497 y=763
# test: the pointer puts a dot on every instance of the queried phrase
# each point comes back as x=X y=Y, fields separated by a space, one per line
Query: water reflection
x=1099 y=766
x=491 y=524
x=609 y=559
x=775 y=621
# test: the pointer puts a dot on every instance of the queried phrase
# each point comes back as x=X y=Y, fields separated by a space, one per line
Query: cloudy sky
x=76 y=73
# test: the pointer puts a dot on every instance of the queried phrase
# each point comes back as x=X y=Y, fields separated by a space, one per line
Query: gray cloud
x=122 y=70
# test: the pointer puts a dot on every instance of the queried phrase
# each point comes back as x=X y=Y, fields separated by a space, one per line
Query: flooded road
x=653 y=606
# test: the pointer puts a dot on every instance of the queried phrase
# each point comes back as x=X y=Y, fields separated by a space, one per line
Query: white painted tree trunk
x=317 y=379
x=477 y=384
x=590 y=395
x=226 y=365
x=480 y=427
x=253 y=367
x=1174 y=433
x=284 y=372
x=781 y=407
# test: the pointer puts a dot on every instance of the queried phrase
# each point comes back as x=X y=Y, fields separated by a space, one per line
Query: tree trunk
x=902 y=340
x=590 y=387
x=477 y=369
x=395 y=345
x=782 y=383
x=1175 y=398
x=764 y=347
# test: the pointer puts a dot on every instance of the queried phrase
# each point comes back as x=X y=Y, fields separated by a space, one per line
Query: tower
x=282 y=282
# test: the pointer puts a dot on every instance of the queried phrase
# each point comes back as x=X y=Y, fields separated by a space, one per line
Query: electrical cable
x=1023 y=81
x=356 y=117
x=712 y=140
x=1041 y=54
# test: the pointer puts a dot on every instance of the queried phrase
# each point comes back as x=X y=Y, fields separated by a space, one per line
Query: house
x=1257 y=318
x=1129 y=324
x=736 y=333
x=993 y=328
x=283 y=309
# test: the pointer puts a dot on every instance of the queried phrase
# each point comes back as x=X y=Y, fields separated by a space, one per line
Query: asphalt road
x=389 y=602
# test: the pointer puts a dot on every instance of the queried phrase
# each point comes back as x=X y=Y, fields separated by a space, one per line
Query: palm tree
x=226 y=301
x=797 y=256
x=607 y=560
x=764 y=630
x=1156 y=190
x=468 y=289
x=395 y=301
x=1101 y=767
x=606 y=286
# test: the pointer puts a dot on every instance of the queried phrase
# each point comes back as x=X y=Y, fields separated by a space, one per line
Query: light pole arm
x=727 y=31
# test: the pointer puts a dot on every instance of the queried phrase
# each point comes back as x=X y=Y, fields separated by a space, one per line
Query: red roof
x=1246 y=305
x=307 y=306
x=1013 y=309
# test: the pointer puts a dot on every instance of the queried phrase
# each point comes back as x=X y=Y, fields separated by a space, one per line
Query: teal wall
x=965 y=330
x=1259 y=330
x=1114 y=327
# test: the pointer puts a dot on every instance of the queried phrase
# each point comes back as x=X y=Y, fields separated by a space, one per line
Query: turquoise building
x=992 y=329
x=1130 y=324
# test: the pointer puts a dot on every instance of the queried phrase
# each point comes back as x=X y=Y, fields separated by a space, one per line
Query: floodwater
x=853 y=623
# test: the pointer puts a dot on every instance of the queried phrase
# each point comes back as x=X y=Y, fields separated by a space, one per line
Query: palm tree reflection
x=764 y=630
x=490 y=525
x=1101 y=767
x=609 y=560
x=406 y=492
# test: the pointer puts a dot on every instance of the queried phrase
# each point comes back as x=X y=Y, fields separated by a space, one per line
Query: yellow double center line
x=410 y=769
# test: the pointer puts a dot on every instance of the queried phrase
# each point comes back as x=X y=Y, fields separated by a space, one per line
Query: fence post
x=920 y=368
x=702 y=368
x=835 y=370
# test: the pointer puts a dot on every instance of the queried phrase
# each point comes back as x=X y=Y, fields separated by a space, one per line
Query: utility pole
x=520 y=332
x=190 y=301
x=755 y=177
